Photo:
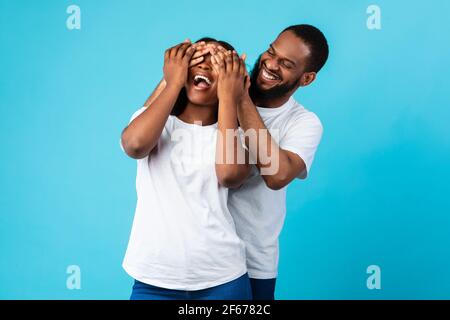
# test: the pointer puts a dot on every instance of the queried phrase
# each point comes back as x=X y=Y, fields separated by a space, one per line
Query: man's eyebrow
x=289 y=60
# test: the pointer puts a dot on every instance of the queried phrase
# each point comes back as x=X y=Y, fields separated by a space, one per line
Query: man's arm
x=158 y=90
x=289 y=165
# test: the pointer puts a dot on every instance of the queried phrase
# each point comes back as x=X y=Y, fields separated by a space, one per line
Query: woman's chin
x=201 y=97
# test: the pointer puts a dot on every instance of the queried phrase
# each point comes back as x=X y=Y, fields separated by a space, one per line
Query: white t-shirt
x=183 y=236
x=258 y=211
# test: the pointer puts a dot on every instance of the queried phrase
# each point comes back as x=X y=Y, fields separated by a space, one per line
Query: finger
x=229 y=61
x=211 y=46
x=244 y=56
x=166 y=54
x=241 y=67
x=199 y=45
x=172 y=52
x=182 y=49
x=220 y=48
x=212 y=50
x=215 y=63
x=188 y=53
x=195 y=61
x=236 y=63
x=247 y=82
x=174 y=49
x=221 y=61
x=200 y=52
x=187 y=40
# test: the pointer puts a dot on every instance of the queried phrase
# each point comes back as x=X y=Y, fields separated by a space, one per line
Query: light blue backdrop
x=378 y=192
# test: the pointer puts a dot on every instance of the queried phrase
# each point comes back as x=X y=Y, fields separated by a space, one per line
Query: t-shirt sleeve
x=241 y=135
x=137 y=113
x=302 y=138
x=134 y=116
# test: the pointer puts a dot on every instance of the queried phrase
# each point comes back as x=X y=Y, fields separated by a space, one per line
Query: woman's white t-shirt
x=183 y=236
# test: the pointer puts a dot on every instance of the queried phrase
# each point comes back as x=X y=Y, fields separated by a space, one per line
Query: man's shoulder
x=299 y=112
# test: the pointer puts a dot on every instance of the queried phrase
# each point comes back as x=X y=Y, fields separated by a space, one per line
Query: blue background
x=378 y=192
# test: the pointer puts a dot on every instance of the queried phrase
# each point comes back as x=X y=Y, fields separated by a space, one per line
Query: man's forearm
x=278 y=167
x=159 y=88
x=264 y=147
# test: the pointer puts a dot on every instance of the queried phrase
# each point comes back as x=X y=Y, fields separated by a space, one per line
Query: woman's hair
x=182 y=99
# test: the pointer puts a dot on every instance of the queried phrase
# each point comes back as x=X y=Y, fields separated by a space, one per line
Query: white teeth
x=268 y=76
x=199 y=76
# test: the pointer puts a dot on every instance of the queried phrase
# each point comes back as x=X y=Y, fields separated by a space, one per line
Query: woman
x=183 y=243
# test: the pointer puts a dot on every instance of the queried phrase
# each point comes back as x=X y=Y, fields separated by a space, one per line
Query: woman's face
x=201 y=85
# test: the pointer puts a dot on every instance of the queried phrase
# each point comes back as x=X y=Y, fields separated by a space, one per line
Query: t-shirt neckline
x=194 y=125
x=276 y=110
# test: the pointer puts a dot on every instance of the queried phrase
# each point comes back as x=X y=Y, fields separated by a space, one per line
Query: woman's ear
x=307 y=78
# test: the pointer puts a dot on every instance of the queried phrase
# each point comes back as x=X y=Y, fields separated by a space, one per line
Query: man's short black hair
x=316 y=42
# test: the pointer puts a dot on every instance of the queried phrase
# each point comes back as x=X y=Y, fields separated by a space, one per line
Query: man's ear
x=307 y=78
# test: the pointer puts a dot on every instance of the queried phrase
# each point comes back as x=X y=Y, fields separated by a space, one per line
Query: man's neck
x=193 y=113
x=272 y=103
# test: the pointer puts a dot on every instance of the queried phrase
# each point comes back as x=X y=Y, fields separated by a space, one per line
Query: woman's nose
x=205 y=66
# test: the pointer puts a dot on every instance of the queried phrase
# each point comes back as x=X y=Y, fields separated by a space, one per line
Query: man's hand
x=176 y=64
x=232 y=75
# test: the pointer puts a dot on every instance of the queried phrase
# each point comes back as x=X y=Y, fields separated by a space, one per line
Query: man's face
x=280 y=69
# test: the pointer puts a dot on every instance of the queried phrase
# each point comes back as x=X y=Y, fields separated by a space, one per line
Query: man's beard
x=265 y=96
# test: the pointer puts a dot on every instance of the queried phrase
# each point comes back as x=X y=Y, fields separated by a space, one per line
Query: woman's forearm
x=231 y=162
x=142 y=134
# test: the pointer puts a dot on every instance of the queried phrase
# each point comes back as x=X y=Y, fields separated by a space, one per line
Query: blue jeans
x=263 y=289
x=238 y=289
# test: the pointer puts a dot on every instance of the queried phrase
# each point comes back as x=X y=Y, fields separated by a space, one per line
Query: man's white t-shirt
x=183 y=236
x=258 y=211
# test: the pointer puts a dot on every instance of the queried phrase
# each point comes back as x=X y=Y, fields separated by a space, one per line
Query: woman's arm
x=142 y=134
x=232 y=166
x=201 y=49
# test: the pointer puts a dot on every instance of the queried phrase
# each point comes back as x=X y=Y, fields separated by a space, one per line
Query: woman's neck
x=193 y=113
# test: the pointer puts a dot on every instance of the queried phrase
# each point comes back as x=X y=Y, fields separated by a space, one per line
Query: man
x=258 y=207
x=287 y=138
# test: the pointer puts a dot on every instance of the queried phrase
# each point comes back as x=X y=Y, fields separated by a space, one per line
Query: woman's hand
x=176 y=64
x=233 y=77
x=201 y=49
x=231 y=87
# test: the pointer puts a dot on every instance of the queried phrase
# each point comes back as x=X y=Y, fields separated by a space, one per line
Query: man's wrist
x=246 y=102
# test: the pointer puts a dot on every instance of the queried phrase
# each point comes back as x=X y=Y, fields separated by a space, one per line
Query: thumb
x=247 y=82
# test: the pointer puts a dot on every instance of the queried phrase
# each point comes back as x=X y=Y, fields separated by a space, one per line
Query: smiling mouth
x=202 y=82
x=269 y=76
